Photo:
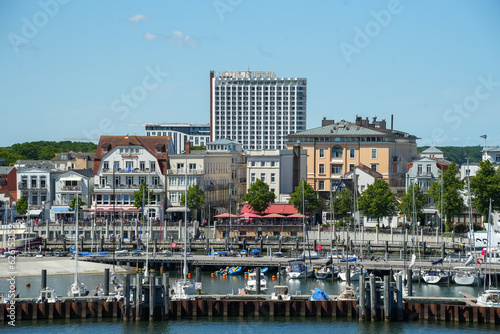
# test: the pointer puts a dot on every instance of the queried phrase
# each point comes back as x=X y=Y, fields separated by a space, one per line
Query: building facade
x=219 y=170
x=275 y=167
x=336 y=148
x=121 y=165
x=73 y=160
x=196 y=134
x=256 y=109
x=67 y=186
x=35 y=184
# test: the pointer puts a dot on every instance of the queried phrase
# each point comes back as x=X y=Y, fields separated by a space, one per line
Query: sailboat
x=184 y=287
x=489 y=297
x=77 y=289
x=415 y=273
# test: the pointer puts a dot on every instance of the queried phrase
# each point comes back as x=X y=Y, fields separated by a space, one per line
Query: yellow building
x=335 y=148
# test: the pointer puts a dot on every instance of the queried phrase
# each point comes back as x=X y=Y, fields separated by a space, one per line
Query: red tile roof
x=150 y=143
x=282 y=209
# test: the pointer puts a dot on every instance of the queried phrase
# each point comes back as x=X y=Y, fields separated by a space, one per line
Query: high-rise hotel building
x=256 y=109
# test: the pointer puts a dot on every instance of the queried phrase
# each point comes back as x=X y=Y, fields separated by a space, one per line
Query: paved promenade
x=32 y=266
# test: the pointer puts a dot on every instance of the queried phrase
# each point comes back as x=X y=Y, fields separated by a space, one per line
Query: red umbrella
x=274 y=215
x=296 y=215
x=226 y=215
x=249 y=215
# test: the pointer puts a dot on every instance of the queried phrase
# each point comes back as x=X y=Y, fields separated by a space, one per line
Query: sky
x=81 y=69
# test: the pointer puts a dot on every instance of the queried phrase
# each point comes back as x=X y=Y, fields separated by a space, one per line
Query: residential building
x=492 y=153
x=275 y=167
x=67 y=186
x=335 y=148
x=432 y=152
x=73 y=160
x=35 y=184
x=196 y=134
x=256 y=109
x=423 y=171
x=219 y=170
x=121 y=165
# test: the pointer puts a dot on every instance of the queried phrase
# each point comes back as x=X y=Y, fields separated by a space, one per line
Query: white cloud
x=137 y=18
x=149 y=36
x=179 y=39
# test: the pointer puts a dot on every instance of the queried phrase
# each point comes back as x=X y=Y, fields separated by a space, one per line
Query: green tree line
x=42 y=150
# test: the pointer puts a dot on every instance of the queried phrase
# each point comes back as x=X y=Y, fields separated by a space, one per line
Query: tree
x=196 y=198
x=22 y=205
x=453 y=203
x=343 y=202
x=138 y=194
x=311 y=199
x=485 y=185
x=259 y=196
x=406 y=205
x=72 y=204
x=377 y=201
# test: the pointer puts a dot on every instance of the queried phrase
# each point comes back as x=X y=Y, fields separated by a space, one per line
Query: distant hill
x=42 y=150
x=458 y=154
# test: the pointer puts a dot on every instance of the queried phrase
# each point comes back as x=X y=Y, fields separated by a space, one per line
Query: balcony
x=128 y=171
x=183 y=171
x=71 y=188
x=24 y=186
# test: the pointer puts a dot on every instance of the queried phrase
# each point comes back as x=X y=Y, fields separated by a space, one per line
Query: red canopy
x=282 y=209
x=297 y=215
x=274 y=215
x=249 y=215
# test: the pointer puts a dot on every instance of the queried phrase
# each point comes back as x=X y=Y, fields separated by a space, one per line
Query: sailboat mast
x=303 y=221
x=488 y=248
x=469 y=203
x=76 y=241
x=185 y=271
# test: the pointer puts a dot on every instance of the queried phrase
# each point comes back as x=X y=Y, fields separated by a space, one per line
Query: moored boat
x=251 y=285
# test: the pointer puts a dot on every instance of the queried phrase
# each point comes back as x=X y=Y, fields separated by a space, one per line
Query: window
x=253 y=163
x=321 y=185
x=321 y=169
x=263 y=177
x=105 y=165
x=130 y=180
x=116 y=165
x=152 y=166
x=419 y=169
x=352 y=153
x=172 y=181
x=262 y=163
x=142 y=166
x=336 y=152
x=321 y=153
x=117 y=181
x=34 y=199
x=373 y=166
x=374 y=153
x=362 y=187
x=42 y=182
x=273 y=178
x=102 y=181
x=33 y=182
x=192 y=168
x=351 y=167
x=273 y=163
x=429 y=169
x=129 y=165
x=252 y=177
x=173 y=197
x=336 y=169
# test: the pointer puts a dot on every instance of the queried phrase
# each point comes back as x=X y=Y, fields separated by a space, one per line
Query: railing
x=71 y=188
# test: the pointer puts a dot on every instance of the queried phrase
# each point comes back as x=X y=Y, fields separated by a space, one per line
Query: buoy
x=274 y=277
x=224 y=275
x=246 y=275
x=189 y=275
x=213 y=275
x=28 y=284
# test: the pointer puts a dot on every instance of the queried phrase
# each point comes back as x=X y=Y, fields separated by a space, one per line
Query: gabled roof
x=4 y=170
x=223 y=141
x=370 y=171
x=148 y=142
x=432 y=150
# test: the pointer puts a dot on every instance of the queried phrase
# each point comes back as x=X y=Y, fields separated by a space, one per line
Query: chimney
x=392 y=121
x=187 y=147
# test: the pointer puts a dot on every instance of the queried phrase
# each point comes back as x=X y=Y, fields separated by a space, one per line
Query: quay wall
x=175 y=310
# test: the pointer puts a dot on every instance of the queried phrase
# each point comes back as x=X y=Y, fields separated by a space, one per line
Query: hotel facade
x=256 y=109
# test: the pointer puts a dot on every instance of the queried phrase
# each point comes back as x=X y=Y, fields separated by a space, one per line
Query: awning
x=34 y=212
x=430 y=211
x=60 y=209
x=71 y=178
x=177 y=209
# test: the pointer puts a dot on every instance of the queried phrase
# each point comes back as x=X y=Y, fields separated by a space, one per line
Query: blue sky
x=72 y=68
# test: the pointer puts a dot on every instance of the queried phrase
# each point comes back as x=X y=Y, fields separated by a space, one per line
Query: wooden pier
x=229 y=307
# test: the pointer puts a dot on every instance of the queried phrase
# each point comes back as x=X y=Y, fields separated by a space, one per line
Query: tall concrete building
x=256 y=109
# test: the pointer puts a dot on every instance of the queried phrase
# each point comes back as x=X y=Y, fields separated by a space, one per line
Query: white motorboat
x=489 y=298
x=281 y=292
x=356 y=272
x=298 y=269
x=183 y=289
x=467 y=276
x=47 y=295
x=251 y=285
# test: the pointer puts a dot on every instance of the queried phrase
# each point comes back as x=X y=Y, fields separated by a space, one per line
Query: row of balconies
x=132 y=170
x=37 y=186
x=126 y=186
x=182 y=171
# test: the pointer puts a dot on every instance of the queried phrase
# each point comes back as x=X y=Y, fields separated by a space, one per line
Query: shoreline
x=32 y=266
